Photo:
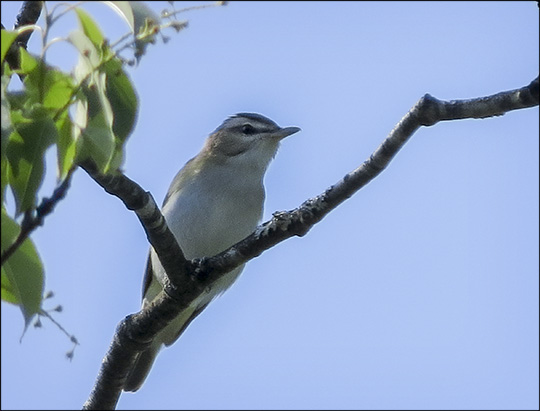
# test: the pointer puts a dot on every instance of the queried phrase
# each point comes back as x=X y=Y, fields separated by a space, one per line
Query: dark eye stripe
x=241 y=129
x=248 y=129
x=253 y=129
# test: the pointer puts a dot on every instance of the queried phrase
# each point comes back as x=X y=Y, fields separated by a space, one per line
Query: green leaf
x=117 y=159
x=7 y=129
x=59 y=91
x=106 y=110
x=122 y=98
x=146 y=26
x=4 y=166
x=93 y=116
x=44 y=84
x=8 y=37
x=145 y=20
x=90 y=28
x=137 y=15
x=96 y=139
x=25 y=153
x=97 y=142
x=123 y=9
x=89 y=57
x=142 y=20
x=28 y=62
x=17 y=99
x=22 y=273
x=8 y=292
x=65 y=146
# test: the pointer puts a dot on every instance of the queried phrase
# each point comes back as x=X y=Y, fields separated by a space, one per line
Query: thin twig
x=30 y=223
x=167 y=14
x=68 y=7
x=72 y=338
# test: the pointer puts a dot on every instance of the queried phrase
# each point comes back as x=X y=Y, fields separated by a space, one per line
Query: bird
x=213 y=202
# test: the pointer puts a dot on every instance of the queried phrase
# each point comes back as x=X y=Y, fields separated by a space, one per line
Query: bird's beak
x=285 y=132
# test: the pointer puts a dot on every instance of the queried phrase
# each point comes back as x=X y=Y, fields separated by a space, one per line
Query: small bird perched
x=214 y=201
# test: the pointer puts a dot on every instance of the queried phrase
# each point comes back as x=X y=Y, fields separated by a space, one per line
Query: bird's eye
x=248 y=129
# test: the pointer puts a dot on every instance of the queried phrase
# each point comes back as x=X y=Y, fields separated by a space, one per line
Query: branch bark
x=28 y=15
x=143 y=204
x=189 y=278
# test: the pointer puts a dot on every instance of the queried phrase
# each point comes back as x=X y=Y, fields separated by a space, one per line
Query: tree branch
x=135 y=198
x=426 y=112
x=136 y=331
x=28 y=15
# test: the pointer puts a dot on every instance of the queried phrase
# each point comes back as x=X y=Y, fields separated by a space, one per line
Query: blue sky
x=421 y=291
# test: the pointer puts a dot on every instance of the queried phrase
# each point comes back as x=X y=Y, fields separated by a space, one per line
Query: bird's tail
x=141 y=368
x=143 y=363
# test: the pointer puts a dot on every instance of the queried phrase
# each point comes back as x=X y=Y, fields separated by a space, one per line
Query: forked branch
x=189 y=278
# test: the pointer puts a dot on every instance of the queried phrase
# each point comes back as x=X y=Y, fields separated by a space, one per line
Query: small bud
x=179 y=25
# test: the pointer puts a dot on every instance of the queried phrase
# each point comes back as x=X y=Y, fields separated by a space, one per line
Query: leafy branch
x=87 y=114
